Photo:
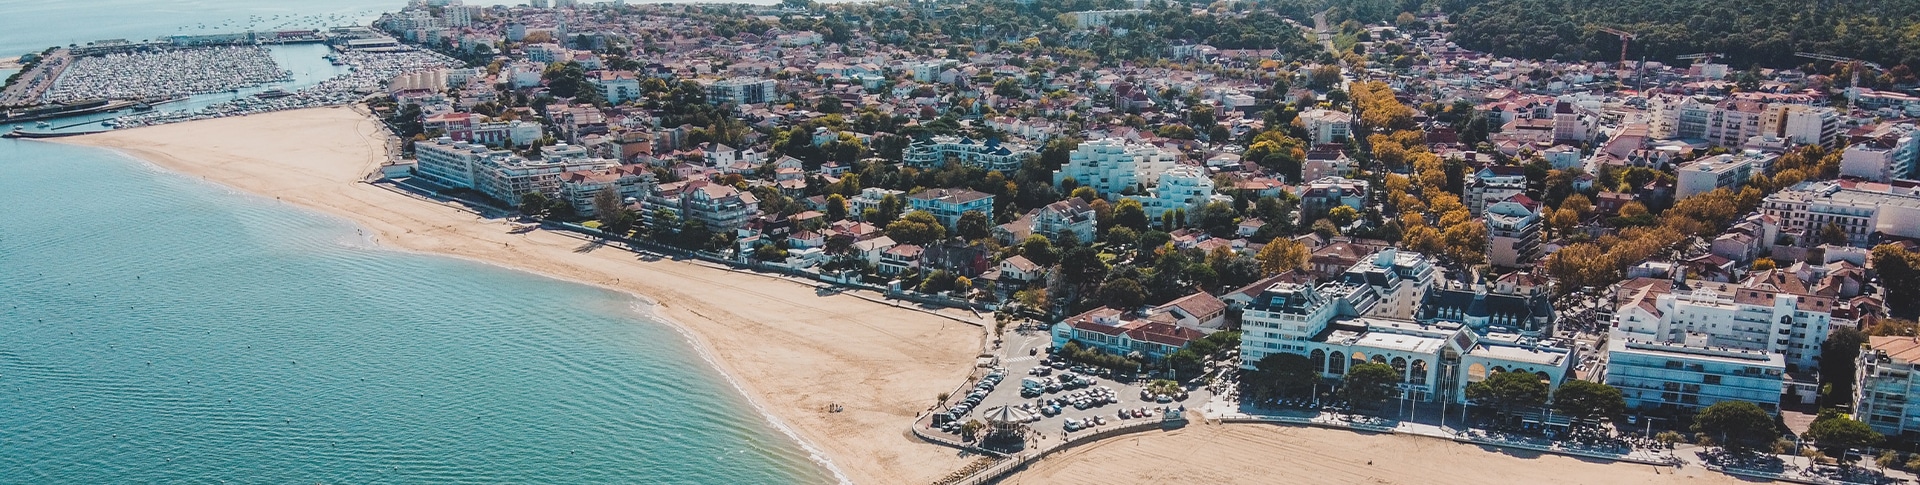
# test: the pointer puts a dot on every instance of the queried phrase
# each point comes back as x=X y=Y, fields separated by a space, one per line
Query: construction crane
x=1625 y=38
x=1853 y=66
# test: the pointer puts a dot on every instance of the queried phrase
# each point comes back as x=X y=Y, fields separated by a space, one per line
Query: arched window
x=1545 y=378
x=1498 y=369
x=1337 y=364
x=1319 y=358
x=1476 y=373
x=1357 y=359
x=1379 y=359
x=1419 y=375
x=1399 y=365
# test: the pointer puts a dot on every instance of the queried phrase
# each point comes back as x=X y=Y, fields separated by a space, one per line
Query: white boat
x=43 y=124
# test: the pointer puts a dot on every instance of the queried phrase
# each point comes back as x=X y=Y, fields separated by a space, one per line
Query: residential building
x=1886 y=395
x=1325 y=161
x=870 y=198
x=1725 y=171
x=1810 y=125
x=1183 y=187
x=1113 y=166
x=1092 y=19
x=1769 y=312
x=1861 y=210
x=501 y=175
x=1888 y=152
x=721 y=207
x=1402 y=278
x=616 y=86
x=1685 y=377
x=630 y=182
x=1326 y=126
x=1123 y=332
x=743 y=91
x=901 y=259
x=989 y=155
x=1513 y=232
x=1071 y=215
x=1322 y=195
x=947 y=205
x=1492 y=184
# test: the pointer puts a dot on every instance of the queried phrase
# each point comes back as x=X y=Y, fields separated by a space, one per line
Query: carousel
x=1006 y=428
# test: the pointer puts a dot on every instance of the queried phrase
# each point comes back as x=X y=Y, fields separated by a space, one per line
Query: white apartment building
x=1859 y=209
x=616 y=86
x=1183 y=187
x=1725 y=171
x=1071 y=215
x=1513 y=233
x=1886 y=395
x=1490 y=185
x=742 y=91
x=1112 y=165
x=500 y=174
x=1685 y=377
x=720 y=207
x=1887 y=153
x=870 y=198
x=989 y=155
x=1810 y=125
x=1327 y=126
x=1402 y=279
x=1088 y=19
x=1755 y=316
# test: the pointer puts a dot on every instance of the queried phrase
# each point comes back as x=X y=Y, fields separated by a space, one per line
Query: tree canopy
x=1736 y=424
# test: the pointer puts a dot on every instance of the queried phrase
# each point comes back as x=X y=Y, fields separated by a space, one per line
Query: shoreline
x=839 y=449
x=646 y=309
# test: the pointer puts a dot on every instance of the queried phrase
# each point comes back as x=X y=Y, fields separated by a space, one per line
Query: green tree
x=1086 y=194
x=917 y=228
x=1835 y=433
x=836 y=207
x=1006 y=87
x=973 y=225
x=1325 y=228
x=769 y=252
x=1039 y=250
x=1283 y=374
x=533 y=204
x=1588 y=400
x=1217 y=218
x=612 y=213
x=1122 y=294
x=1369 y=384
x=1899 y=272
x=1837 y=356
x=1130 y=214
x=1736 y=424
x=1833 y=234
x=1509 y=391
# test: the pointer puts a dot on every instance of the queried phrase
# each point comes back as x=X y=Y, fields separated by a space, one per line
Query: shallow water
x=155 y=328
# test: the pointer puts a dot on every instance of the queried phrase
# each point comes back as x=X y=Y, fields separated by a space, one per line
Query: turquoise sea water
x=155 y=328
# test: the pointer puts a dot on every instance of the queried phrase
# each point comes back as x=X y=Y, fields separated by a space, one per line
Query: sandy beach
x=792 y=351
x=1247 y=454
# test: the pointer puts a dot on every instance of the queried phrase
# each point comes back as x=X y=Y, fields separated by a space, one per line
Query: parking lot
x=1056 y=392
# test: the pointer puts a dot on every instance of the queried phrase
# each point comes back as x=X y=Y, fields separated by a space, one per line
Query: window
x=1711 y=380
